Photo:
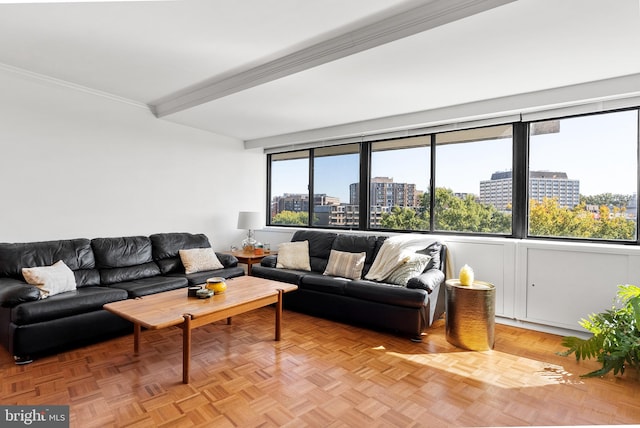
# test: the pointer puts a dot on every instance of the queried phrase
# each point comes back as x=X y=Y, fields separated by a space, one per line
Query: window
x=595 y=160
x=289 y=190
x=569 y=178
x=336 y=172
x=400 y=172
x=474 y=180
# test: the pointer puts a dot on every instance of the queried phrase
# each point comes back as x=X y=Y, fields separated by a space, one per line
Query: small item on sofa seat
x=466 y=275
x=192 y=291
x=204 y=293
x=217 y=285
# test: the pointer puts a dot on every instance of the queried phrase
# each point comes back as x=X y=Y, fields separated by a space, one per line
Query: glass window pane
x=474 y=180
x=398 y=190
x=336 y=170
x=290 y=188
x=583 y=177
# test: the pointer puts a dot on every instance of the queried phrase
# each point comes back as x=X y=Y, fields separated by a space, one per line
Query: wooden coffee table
x=175 y=308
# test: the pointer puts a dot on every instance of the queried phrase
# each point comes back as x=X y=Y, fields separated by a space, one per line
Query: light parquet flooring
x=322 y=374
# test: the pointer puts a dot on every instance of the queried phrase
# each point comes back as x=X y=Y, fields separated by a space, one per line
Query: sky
x=599 y=150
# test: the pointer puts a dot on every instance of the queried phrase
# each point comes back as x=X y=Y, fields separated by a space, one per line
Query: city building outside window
x=400 y=175
x=335 y=168
x=583 y=177
x=289 y=189
x=474 y=181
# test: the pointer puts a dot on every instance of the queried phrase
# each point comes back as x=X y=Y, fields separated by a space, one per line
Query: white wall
x=77 y=164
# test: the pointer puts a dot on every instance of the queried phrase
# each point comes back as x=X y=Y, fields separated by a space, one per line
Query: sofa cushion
x=129 y=273
x=124 y=259
x=79 y=301
x=145 y=286
x=356 y=244
x=199 y=260
x=428 y=280
x=345 y=265
x=198 y=278
x=293 y=255
x=325 y=284
x=51 y=280
x=409 y=269
x=320 y=245
x=75 y=253
x=289 y=276
x=386 y=293
x=166 y=247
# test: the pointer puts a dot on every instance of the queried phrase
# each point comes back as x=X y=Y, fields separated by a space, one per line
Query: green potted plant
x=616 y=335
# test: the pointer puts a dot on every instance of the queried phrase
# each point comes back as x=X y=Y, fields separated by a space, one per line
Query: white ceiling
x=151 y=52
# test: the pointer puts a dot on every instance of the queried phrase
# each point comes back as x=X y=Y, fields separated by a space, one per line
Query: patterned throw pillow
x=199 y=260
x=294 y=255
x=51 y=280
x=411 y=268
x=345 y=265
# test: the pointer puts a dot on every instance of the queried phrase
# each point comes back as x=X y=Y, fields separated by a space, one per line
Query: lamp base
x=249 y=245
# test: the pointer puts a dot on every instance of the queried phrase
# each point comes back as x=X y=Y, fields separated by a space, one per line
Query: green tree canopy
x=291 y=218
x=546 y=218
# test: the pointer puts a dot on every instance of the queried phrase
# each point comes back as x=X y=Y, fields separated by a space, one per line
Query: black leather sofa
x=106 y=270
x=403 y=310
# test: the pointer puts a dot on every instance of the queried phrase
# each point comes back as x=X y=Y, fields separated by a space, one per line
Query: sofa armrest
x=14 y=292
x=227 y=260
x=428 y=280
x=269 y=261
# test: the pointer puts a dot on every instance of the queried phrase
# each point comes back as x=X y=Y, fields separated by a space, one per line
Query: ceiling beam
x=397 y=23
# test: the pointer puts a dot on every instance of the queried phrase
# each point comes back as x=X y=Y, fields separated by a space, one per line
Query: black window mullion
x=365 y=177
x=432 y=185
x=520 y=177
x=638 y=178
x=310 y=210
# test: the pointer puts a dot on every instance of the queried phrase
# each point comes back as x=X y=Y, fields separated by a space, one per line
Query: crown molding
x=397 y=23
x=52 y=81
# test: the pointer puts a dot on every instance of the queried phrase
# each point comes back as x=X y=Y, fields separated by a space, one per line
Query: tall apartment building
x=542 y=184
x=384 y=192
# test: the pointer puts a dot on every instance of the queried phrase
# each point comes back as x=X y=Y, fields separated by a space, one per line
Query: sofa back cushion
x=75 y=253
x=166 y=248
x=368 y=244
x=124 y=259
x=320 y=245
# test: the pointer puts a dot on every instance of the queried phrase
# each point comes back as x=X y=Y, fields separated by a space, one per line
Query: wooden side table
x=248 y=257
x=470 y=314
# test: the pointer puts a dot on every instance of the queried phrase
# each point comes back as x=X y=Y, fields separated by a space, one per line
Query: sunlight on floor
x=493 y=367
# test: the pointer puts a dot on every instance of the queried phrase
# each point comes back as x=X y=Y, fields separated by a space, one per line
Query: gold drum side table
x=470 y=314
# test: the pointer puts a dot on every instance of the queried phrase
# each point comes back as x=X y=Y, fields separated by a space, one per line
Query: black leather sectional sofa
x=404 y=310
x=106 y=270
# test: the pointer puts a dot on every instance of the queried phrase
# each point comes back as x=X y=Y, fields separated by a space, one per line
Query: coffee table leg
x=136 y=338
x=279 y=315
x=186 y=347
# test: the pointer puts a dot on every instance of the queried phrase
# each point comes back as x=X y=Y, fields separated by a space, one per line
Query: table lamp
x=249 y=220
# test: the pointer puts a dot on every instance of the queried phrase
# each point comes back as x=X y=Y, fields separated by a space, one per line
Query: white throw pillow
x=199 y=260
x=345 y=265
x=51 y=280
x=409 y=269
x=294 y=255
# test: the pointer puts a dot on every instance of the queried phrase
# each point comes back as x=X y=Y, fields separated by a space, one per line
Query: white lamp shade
x=249 y=220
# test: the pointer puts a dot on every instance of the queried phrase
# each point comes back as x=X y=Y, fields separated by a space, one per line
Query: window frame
x=520 y=180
